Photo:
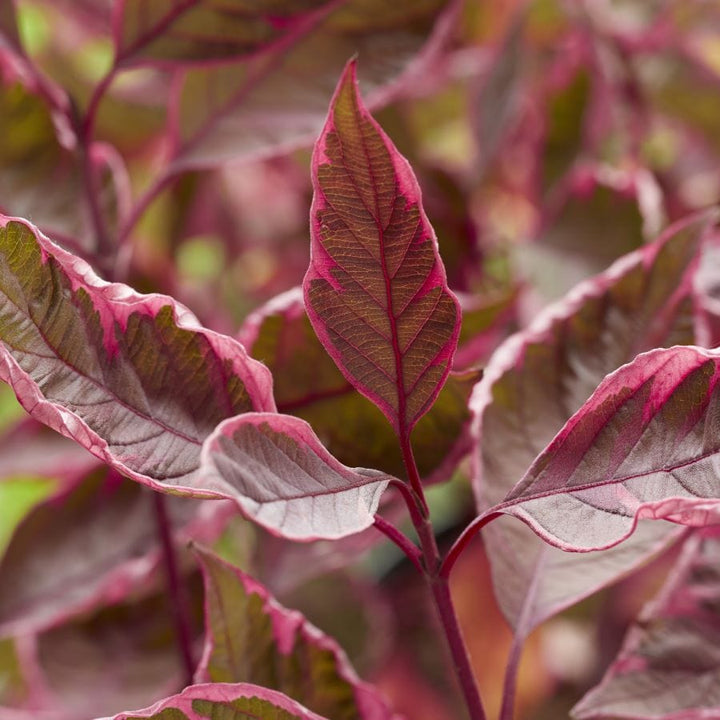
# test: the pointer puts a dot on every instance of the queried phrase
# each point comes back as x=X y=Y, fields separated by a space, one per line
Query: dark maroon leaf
x=309 y=385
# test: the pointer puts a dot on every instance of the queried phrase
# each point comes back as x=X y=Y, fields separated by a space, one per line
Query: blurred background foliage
x=549 y=138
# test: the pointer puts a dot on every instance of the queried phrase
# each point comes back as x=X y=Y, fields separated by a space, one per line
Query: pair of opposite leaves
x=95 y=361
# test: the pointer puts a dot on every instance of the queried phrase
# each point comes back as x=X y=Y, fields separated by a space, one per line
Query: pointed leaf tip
x=376 y=291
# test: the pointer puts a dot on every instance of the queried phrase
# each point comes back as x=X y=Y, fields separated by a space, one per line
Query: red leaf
x=375 y=290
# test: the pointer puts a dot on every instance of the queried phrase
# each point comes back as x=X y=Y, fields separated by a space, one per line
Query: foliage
x=501 y=322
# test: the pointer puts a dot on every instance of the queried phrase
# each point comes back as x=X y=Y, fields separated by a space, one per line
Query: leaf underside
x=539 y=378
x=132 y=378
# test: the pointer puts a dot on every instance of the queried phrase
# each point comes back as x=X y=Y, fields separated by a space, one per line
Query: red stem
x=465 y=537
x=440 y=588
x=105 y=248
x=142 y=205
x=401 y=540
x=176 y=593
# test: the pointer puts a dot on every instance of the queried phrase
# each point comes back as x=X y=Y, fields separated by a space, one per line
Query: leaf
x=277 y=101
x=130 y=377
x=123 y=654
x=645 y=444
x=41 y=174
x=284 y=479
x=669 y=666
x=202 y=30
x=375 y=291
x=55 y=567
x=539 y=378
x=309 y=385
x=251 y=638
x=223 y=701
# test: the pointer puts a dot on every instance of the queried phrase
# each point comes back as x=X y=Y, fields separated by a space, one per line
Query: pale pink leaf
x=539 y=378
x=284 y=479
x=645 y=445
x=133 y=378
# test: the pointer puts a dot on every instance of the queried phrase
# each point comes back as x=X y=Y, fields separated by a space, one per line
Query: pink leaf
x=646 y=444
x=54 y=566
x=669 y=666
x=296 y=658
x=283 y=478
x=131 y=377
x=277 y=100
x=375 y=290
x=539 y=378
x=182 y=32
x=226 y=701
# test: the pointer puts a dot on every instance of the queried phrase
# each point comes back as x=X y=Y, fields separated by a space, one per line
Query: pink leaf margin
x=321 y=264
x=115 y=303
x=287 y=625
x=221 y=693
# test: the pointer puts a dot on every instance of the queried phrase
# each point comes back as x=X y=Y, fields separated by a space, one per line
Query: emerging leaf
x=283 y=478
x=539 y=378
x=375 y=290
x=130 y=377
x=221 y=701
x=646 y=444
x=669 y=667
x=250 y=638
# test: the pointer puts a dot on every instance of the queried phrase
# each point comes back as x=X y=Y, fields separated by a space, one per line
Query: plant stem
x=401 y=540
x=440 y=589
x=465 y=537
x=143 y=203
x=176 y=594
x=105 y=248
